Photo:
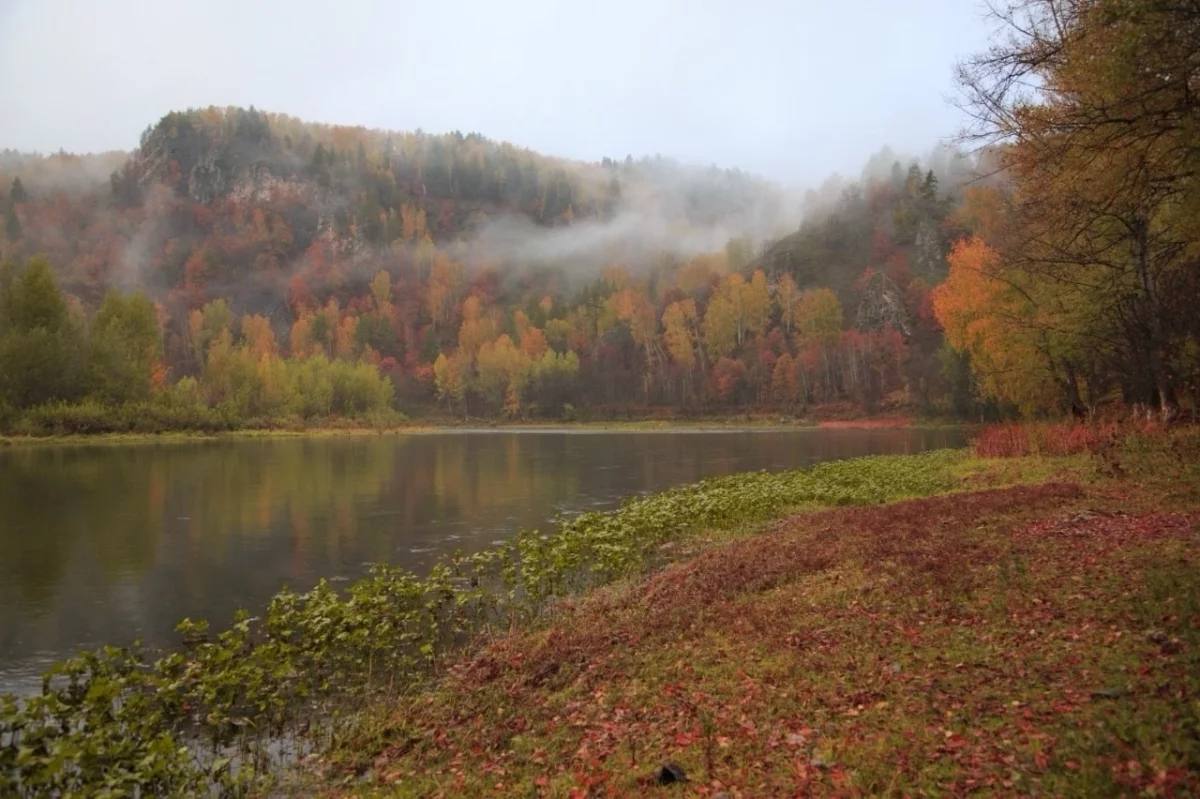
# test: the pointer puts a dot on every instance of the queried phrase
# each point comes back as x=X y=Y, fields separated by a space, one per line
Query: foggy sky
x=792 y=91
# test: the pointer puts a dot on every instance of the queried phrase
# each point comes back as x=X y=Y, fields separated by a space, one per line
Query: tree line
x=63 y=370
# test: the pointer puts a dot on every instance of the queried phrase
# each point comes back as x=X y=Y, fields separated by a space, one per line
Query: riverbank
x=352 y=429
x=1026 y=635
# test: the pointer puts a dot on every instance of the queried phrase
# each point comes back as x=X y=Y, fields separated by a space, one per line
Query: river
x=105 y=543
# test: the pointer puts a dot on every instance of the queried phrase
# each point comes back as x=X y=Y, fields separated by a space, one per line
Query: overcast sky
x=790 y=90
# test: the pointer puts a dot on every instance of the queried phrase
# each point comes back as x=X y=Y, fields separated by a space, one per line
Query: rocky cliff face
x=205 y=156
x=881 y=305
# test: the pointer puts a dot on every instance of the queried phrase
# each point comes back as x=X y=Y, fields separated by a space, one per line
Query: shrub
x=66 y=418
x=312 y=386
x=273 y=394
x=88 y=417
x=359 y=388
x=1002 y=441
x=1067 y=438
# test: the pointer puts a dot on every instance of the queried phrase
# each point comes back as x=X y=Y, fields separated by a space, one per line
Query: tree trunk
x=1163 y=387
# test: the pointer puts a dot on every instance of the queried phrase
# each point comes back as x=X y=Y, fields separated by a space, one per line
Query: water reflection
x=106 y=544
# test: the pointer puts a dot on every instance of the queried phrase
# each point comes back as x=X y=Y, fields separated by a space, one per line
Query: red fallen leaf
x=801 y=772
x=1167 y=779
x=954 y=742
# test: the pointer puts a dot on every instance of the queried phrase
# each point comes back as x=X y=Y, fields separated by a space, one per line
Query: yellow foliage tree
x=259 y=336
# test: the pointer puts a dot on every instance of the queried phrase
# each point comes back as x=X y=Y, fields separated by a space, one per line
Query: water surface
x=112 y=543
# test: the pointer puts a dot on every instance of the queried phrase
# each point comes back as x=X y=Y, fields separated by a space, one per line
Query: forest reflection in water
x=112 y=543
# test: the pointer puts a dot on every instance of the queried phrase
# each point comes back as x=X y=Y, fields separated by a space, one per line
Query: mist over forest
x=409 y=248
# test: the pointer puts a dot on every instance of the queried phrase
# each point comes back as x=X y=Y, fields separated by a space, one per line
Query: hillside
x=249 y=192
x=487 y=278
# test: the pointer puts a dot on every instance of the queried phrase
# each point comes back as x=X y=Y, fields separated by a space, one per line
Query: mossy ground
x=1037 y=633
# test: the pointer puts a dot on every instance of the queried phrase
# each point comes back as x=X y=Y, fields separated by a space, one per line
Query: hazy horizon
x=790 y=93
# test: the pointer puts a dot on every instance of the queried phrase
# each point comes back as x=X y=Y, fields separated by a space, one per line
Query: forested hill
x=454 y=264
x=217 y=195
x=366 y=174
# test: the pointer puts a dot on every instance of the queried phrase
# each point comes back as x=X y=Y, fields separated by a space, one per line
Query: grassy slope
x=1031 y=639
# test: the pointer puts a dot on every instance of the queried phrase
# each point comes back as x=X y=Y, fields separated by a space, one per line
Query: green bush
x=312 y=387
x=63 y=418
x=297 y=393
x=359 y=388
x=90 y=416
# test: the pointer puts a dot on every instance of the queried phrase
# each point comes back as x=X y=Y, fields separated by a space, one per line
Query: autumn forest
x=241 y=267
